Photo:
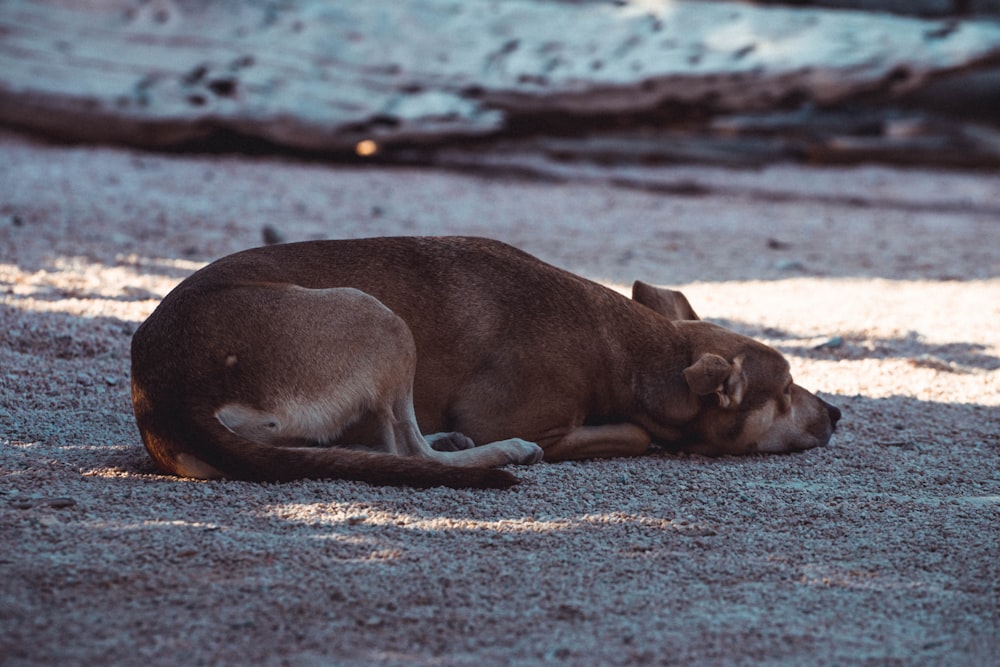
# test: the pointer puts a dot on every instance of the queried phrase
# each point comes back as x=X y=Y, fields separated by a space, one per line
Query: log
x=326 y=76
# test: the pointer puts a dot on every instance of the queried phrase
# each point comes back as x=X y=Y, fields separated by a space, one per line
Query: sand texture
x=881 y=286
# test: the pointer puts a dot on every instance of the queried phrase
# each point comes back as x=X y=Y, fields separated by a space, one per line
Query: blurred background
x=539 y=85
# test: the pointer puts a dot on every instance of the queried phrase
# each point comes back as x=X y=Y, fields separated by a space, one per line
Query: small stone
x=832 y=343
x=110 y=380
x=356 y=519
x=271 y=235
x=789 y=265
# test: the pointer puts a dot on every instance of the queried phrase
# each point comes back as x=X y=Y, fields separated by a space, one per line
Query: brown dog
x=252 y=366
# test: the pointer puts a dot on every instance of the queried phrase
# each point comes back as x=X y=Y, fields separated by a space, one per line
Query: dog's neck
x=649 y=387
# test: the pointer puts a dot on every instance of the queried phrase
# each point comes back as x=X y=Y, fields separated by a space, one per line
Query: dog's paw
x=449 y=442
x=523 y=452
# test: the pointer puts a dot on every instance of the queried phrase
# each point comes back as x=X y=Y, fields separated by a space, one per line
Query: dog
x=329 y=359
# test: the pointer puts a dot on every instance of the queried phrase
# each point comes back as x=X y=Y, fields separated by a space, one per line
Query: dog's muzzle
x=834 y=412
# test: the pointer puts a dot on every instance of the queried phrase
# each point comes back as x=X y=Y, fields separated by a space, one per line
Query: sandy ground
x=881 y=549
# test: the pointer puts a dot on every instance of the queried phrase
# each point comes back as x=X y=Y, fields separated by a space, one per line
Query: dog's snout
x=834 y=413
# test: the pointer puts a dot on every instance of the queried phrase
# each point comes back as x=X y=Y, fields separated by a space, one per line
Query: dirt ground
x=881 y=286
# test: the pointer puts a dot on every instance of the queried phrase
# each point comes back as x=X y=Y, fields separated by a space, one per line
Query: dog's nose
x=834 y=413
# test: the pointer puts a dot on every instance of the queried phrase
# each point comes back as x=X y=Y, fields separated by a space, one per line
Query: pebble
x=271 y=235
x=832 y=343
x=789 y=265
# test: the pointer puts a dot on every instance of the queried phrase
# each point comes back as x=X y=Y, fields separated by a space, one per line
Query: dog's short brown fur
x=254 y=365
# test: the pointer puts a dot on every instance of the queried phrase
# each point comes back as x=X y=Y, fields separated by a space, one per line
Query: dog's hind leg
x=345 y=378
x=329 y=373
x=407 y=438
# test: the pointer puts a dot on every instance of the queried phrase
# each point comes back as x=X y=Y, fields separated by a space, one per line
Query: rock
x=789 y=265
x=320 y=76
x=833 y=343
x=271 y=235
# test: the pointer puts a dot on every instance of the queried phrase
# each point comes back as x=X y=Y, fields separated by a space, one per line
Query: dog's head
x=746 y=398
x=740 y=397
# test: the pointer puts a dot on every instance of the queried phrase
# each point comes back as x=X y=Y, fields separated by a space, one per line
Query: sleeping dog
x=330 y=359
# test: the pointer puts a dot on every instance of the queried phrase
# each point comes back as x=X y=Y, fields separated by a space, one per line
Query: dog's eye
x=788 y=389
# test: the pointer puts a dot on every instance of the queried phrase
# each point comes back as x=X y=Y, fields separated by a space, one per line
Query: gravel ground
x=882 y=286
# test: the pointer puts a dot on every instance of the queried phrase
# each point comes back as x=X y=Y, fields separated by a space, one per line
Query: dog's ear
x=670 y=303
x=712 y=374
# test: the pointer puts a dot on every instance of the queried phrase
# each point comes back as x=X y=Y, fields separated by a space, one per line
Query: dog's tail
x=223 y=454
x=281 y=464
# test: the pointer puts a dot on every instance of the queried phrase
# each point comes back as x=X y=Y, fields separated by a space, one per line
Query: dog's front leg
x=449 y=442
x=605 y=441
